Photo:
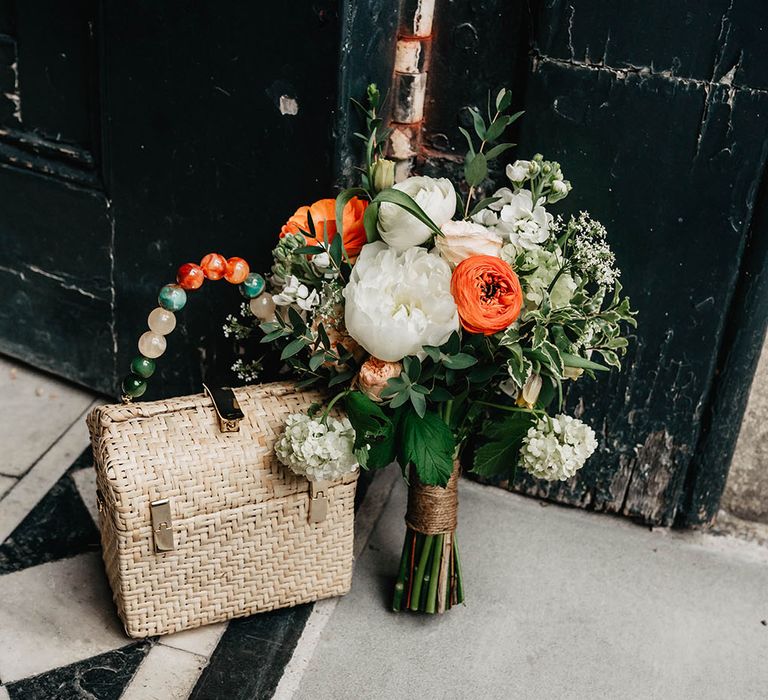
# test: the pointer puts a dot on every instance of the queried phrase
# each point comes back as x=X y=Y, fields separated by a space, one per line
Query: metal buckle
x=318 y=501
x=162 y=525
x=227 y=408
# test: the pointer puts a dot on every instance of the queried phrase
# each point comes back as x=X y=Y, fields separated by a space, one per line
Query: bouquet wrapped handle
x=173 y=298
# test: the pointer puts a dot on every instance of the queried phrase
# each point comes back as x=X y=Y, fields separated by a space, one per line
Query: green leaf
x=311 y=224
x=295 y=346
x=452 y=345
x=418 y=402
x=496 y=129
x=582 y=363
x=503 y=99
x=401 y=199
x=342 y=200
x=498 y=455
x=335 y=250
x=304 y=383
x=412 y=367
x=483 y=204
x=478 y=123
x=369 y=222
x=433 y=352
x=309 y=250
x=460 y=361
x=428 y=444
x=316 y=360
x=475 y=169
x=496 y=151
x=470 y=145
x=341 y=377
x=371 y=424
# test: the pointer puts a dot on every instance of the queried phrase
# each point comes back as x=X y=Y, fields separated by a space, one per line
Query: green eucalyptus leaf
x=475 y=169
x=294 y=347
x=470 y=145
x=478 y=123
x=461 y=360
x=497 y=150
x=418 y=402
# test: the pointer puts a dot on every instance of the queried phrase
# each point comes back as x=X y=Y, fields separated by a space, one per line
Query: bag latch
x=227 y=408
x=162 y=525
x=318 y=501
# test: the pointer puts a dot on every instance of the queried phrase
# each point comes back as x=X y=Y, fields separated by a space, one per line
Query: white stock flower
x=320 y=451
x=401 y=229
x=399 y=301
x=294 y=292
x=519 y=171
x=463 y=239
x=556 y=448
x=523 y=223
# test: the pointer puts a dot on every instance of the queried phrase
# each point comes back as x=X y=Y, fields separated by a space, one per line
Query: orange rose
x=324 y=218
x=487 y=294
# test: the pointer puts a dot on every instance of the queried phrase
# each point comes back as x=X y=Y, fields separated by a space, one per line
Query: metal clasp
x=227 y=408
x=318 y=501
x=162 y=525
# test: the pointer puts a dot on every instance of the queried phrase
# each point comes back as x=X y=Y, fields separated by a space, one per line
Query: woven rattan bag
x=201 y=524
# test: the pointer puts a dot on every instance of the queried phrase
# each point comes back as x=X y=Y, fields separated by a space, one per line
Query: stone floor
x=561 y=603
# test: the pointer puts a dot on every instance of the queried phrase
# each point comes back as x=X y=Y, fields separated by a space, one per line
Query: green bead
x=134 y=386
x=172 y=297
x=253 y=285
x=143 y=367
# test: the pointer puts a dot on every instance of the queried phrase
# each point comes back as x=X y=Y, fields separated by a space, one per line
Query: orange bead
x=214 y=266
x=237 y=270
x=190 y=276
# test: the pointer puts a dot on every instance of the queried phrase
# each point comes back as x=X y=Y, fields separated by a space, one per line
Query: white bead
x=151 y=345
x=161 y=321
x=263 y=307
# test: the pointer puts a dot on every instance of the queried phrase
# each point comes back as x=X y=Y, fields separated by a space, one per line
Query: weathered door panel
x=659 y=116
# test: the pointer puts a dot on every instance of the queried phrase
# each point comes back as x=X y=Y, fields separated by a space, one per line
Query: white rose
x=401 y=229
x=525 y=224
x=518 y=171
x=462 y=239
x=399 y=301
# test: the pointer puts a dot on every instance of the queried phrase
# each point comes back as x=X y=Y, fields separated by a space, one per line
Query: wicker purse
x=200 y=522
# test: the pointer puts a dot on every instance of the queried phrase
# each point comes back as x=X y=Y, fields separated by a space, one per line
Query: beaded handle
x=173 y=297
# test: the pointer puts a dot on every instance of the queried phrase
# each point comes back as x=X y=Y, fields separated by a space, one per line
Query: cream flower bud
x=374 y=374
x=383 y=174
x=530 y=393
x=463 y=239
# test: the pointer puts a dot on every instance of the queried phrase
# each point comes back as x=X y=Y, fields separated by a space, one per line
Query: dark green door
x=138 y=136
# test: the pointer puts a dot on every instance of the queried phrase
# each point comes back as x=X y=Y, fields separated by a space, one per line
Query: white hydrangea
x=536 y=273
x=556 y=448
x=319 y=450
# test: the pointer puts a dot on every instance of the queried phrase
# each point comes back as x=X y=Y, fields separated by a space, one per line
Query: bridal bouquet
x=435 y=316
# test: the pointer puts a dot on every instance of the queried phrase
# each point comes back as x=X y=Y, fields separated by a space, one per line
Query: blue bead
x=172 y=297
x=253 y=285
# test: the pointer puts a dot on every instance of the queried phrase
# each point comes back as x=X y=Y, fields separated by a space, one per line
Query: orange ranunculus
x=324 y=218
x=487 y=294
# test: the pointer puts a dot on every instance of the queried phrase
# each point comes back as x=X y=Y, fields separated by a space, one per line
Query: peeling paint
x=288 y=105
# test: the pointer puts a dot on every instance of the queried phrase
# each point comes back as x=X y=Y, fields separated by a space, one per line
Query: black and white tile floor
x=61 y=637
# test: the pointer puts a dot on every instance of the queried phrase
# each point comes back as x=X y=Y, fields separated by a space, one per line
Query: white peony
x=556 y=448
x=399 y=301
x=321 y=451
x=401 y=229
x=523 y=223
x=463 y=239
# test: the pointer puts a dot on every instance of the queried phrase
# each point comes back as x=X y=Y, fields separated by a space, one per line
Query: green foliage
x=427 y=443
x=497 y=456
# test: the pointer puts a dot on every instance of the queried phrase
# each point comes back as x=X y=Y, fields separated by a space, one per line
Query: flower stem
x=434 y=574
x=420 y=570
